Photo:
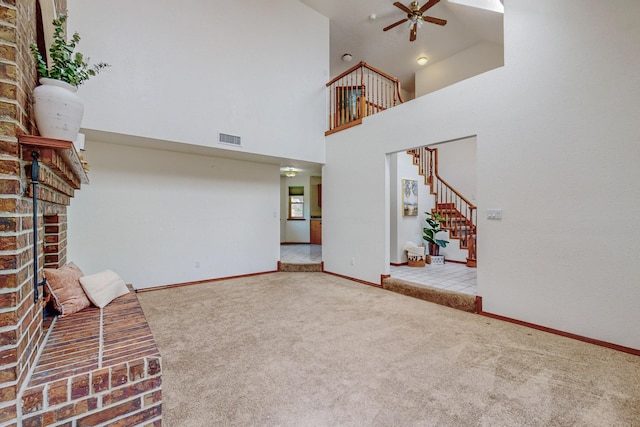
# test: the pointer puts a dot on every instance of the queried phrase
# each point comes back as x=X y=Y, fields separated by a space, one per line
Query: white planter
x=57 y=109
x=435 y=260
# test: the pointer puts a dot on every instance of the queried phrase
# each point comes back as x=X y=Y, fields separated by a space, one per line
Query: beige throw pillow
x=103 y=287
x=65 y=289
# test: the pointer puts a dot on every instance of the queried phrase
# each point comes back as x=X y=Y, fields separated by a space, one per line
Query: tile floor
x=450 y=276
x=300 y=254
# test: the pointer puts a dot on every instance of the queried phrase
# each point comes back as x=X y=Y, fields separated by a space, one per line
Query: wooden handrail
x=435 y=172
x=360 y=91
x=362 y=64
x=460 y=214
x=371 y=104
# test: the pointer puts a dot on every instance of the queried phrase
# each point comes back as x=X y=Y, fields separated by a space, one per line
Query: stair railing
x=360 y=91
x=461 y=215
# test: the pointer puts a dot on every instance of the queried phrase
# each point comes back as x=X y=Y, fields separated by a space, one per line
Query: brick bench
x=97 y=367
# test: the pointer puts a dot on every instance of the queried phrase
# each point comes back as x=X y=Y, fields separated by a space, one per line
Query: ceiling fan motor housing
x=415 y=17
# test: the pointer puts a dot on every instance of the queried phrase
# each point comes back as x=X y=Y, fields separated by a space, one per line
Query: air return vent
x=225 y=138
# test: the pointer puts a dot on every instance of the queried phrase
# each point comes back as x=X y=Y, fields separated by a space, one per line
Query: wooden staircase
x=460 y=215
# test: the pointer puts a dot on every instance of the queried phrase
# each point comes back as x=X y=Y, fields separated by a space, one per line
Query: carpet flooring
x=311 y=349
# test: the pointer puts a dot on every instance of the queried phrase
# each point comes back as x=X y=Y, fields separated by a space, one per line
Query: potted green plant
x=57 y=109
x=434 y=221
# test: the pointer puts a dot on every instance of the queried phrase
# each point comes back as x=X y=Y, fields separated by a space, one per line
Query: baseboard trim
x=364 y=282
x=382 y=278
x=199 y=282
x=629 y=350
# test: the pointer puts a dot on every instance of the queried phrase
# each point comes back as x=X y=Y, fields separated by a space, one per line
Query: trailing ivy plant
x=67 y=65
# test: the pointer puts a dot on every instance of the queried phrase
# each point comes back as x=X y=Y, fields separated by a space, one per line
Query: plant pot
x=57 y=109
x=434 y=249
x=435 y=260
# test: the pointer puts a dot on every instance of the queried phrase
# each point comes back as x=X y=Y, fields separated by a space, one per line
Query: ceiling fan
x=415 y=17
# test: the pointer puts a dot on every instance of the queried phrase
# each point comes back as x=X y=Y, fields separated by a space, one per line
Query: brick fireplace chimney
x=21 y=319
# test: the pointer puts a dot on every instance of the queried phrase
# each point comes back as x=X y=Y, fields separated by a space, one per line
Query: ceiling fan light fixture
x=290 y=172
x=415 y=17
x=422 y=60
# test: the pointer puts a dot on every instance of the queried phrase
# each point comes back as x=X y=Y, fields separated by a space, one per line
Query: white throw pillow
x=102 y=288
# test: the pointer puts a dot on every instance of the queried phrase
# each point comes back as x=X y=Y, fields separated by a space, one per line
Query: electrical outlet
x=197 y=264
x=494 y=213
x=353 y=261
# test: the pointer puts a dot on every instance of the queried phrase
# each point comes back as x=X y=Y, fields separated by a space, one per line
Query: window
x=296 y=202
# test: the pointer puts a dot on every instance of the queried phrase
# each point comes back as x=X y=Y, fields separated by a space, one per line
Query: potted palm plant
x=57 y=109
x=434 y=221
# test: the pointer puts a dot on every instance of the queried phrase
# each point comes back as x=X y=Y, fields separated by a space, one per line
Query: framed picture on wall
x=409 y=197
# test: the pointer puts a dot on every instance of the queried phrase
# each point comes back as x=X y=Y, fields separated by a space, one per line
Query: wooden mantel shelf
x=64 y=149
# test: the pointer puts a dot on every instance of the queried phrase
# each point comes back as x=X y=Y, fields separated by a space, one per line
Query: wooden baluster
x=348 y=99
x=333 y=106
x=369 y=92
x=378 y=93
x=431 y=159
x=341 y=105
x=423 y=153
x=349 y=86
x=330 y=108
x=333 y=102
x=385 y=95
x=395 y=90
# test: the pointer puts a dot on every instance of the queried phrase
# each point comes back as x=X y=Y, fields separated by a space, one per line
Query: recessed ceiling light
x=422 y=60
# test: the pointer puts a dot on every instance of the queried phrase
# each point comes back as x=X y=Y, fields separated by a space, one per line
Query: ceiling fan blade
x=433 y=20
x=413 y=33
x=428 y=5
x=403 y=7
x=402 y=21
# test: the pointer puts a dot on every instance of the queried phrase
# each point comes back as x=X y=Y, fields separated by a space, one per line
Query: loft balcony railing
x=359 y=92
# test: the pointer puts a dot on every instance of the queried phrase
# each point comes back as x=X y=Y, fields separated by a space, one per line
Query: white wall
x=558 y=151
x=475 y=60
x=457 y=164
x=406 y=228
x=182 y=72
x=185 y=70
x=152 y=216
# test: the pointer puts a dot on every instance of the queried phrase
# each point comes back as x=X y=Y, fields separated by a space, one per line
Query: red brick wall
x=126 y=392
x=20 y=318
x=129 y=392
x=55 y=240
x=111 y=370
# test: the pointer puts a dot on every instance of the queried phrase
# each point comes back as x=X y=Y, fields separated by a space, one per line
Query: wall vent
x=225 y=138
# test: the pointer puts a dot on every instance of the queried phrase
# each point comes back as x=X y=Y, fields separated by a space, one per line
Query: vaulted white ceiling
x=354 y=31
